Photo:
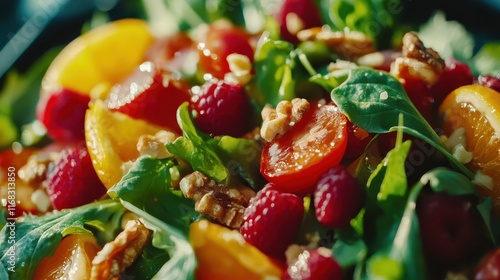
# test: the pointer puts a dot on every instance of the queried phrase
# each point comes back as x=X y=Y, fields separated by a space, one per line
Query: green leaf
x=147 y=186
x=373 y=100
x=457 y=43
x=182 y=262
x=274 y=64
x=487 y=60
x=8 y=131
x=225 y=159
x=148 y=263
x=38 y=236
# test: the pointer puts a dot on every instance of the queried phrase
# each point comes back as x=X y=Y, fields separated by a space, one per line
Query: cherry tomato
x=295 y=161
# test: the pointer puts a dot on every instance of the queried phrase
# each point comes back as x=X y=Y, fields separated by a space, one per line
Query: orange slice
x=106 y=54
x=476 y=109
x=224 y=254
x=72 y=259
x=111 y=139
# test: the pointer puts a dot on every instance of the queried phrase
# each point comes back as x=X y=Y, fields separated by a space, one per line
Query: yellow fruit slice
x=106 y=54
x=111 y=139
x=476 y=109
x=224 y=254
x=72 y=259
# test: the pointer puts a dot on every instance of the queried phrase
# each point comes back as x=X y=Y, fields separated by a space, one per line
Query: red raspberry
x=306 y=12
x=314 y=264
x=490 y=81
x=72 y=181
x=337 y=198
x=221 y=109
x=271 y=221
x=455 y=75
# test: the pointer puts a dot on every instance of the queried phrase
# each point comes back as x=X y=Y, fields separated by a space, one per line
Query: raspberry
x=72 y=180
x=271 y=221
x=490 y=81
x=315 y=264
x=455 y=75
x=221 y=109
x=337 y=198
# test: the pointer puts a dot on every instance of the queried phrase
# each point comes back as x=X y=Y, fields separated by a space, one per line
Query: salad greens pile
x=383 y=242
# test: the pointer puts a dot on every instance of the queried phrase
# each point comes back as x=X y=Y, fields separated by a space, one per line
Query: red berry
x=357 y=139
x=63 y=114
x=72 y=180
x=221 y=40
x=489 y=81
x=222 y=109
x=337 y=198
x=315 y=264
x=455 y=75
x=449 y=227
x=420 y=95
x=151 y=95
x=271 y=221
x=489 y=267
x=296 y=15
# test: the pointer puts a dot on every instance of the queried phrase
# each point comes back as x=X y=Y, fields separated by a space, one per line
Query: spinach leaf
x=274 y=64
x=148 y=185
x=38 y=236
x=373 y=100
x=225 y=159
x=182 y=262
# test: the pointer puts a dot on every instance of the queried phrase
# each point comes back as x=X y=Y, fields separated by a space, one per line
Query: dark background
x=481 y=17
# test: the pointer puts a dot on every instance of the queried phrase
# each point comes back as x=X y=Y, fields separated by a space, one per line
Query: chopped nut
x=350 y=45
x=340 y=64
x=154 y=145
x=418 y=62
x=41 y=200
x=35 y=169
x=278 y=121
x=224 y=204
x=240 y=67
x=120 y=253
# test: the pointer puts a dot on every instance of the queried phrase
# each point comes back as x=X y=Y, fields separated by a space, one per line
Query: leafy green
x=375 y=18
x=148 y=186
x=225 y=159
x=38 y=236
x=487 y=60
x=373 y=100
x=182 y=262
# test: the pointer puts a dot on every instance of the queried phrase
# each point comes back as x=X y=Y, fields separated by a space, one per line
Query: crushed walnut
x=278 y=121
x=417 y=61
x=348 y=44
x=241 y=67
x=154 y=145
x=35 y=169
x=224 y=204
x=120 y=253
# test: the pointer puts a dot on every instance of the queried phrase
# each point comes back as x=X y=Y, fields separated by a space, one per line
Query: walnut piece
x=154 y=145
x=417 y=61
x=224 y=204
x=348 y=44
x=278 y=121
x=120 y=253
x=35 y=169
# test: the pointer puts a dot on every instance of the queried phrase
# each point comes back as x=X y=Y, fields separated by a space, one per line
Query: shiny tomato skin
x=295 y=161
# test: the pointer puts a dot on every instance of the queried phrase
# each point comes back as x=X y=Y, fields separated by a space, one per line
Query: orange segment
x=224 y=254
x=477 y=109
x=105 y=54
x=112 y=140
x=72 y=259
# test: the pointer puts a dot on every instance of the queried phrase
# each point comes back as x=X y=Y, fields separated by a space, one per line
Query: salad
x=292 y=139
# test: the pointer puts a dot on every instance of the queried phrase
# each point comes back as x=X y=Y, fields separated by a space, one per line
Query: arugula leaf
x=487 y=60
x=225 y=159
x=38 y=236
x=373 y=100
x=182 y=262
x=148 y=263
x=147 y=186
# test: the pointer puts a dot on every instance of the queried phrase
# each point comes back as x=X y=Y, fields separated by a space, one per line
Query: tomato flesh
x=295 y=161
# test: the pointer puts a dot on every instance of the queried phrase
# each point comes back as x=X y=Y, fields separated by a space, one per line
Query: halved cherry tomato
x=295 y=161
